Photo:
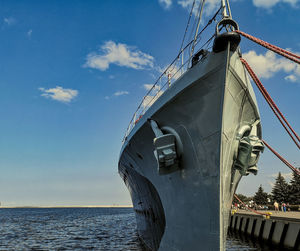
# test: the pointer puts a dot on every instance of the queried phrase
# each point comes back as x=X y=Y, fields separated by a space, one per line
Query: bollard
x=268 y=215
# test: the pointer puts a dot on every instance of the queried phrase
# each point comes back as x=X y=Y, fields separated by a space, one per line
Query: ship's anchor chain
x=248 y=150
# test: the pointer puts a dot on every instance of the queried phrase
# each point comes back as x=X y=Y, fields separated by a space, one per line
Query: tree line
x=282 y=192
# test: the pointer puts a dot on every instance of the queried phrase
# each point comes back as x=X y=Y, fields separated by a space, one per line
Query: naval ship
x=189 y=144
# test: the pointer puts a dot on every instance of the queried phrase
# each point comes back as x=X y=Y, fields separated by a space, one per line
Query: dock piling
x=280 y=231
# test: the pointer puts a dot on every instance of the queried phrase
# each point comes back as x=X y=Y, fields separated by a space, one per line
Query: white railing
x=178 y=67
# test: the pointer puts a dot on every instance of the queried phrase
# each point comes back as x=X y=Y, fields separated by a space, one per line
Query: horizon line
x=71 y=206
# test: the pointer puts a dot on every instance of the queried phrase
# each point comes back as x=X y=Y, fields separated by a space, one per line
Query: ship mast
x=200 y=11
x=226 y=15
x=226 y=8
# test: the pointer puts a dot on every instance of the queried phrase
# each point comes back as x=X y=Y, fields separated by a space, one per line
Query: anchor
x=249 y=147
x=165 y=149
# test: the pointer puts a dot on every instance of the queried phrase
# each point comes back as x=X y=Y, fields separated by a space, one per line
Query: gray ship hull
x=188 y=209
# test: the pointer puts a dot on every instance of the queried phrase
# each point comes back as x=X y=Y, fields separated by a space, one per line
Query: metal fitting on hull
x=165 y=150
x=248 y=151
x=221 y=41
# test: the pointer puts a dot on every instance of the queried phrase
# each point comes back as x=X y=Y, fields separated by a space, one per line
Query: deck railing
x=177 y=68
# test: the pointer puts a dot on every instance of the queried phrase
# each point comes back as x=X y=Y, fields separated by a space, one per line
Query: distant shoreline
x=88 y=206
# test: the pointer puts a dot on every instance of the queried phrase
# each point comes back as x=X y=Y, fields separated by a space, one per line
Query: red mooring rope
x=295 y=58
x=297 y=171
x=276 y=49
x=254 y=211
x=272 y=104
x=268 y=98
x=284 y=53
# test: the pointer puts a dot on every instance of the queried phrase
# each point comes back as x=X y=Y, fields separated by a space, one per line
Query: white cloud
x=120 y=93
x=149 y=100
x=60 y=94
x=286 y=176
x=155 y=93
x=291 y=78
x=173 y=72
x=266 y=65
x=185 y=3
x=29 y=33
x=9 y=20
x=271 y=184
x=116 y=94
x=149 y=86
x=209 y=7
x=165 y=3
x=119 y=54
x=270 y=3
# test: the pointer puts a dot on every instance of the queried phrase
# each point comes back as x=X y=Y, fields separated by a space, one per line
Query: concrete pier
x=282 y=229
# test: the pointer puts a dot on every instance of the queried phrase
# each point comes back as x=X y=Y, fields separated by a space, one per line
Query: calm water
x=79 y=229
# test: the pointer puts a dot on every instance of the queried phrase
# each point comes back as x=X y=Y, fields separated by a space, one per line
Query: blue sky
x=73 y=72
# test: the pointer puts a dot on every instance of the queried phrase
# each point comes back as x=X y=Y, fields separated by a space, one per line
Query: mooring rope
x=287 y=54
x=295 y=58
x=294 y=169
x=272 y=104
x=254 y=211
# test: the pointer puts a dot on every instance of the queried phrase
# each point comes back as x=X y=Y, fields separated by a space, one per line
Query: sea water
x=80 y=229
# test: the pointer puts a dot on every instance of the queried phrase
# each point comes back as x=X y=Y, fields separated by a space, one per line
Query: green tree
x=260 y=197
x=294 y=191
x=280 y=191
